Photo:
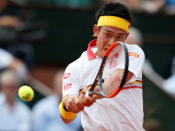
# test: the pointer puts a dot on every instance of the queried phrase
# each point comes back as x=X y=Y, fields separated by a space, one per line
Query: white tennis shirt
x=124 y=112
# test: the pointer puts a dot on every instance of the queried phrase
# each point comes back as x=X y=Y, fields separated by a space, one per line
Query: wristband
x=65 y=114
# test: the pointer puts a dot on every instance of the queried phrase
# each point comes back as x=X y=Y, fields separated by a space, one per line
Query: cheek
x=124 y=38
x=102 y=39
x=101 y=42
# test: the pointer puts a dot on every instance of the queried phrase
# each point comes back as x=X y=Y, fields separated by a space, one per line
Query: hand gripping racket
x=108 y=85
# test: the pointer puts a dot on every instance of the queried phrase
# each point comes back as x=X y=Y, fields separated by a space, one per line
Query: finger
x=97 y=97
x=70 y=104
x=76 y=105
x=82 y=94
x=80 y=103
x=89 y=100
x=73 y=107
x=85 y=90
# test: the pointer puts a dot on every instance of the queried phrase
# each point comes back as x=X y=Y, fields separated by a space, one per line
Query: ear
x=95 y=30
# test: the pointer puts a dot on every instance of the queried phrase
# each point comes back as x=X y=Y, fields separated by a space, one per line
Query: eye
x=119 y=37
x=107 y=35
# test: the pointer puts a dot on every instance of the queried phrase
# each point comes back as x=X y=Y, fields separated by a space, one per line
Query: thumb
x=82 y=93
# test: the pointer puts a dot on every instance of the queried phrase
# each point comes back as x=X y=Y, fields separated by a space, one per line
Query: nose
x=112 y=41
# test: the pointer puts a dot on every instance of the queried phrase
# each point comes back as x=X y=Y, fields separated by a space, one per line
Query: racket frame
x=98 y=80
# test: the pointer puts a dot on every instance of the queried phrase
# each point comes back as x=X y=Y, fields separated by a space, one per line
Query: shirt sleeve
x=5 y=58
x=136 y=60
x=71 y=81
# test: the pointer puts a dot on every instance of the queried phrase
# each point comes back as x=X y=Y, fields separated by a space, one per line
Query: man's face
x=9 y=89
x=106 y=36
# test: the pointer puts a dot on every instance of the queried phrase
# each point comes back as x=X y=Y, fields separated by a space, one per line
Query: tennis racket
x=115 y=60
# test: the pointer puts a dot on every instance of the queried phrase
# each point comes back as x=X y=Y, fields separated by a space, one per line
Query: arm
x=73 y=104
x=73 y=100
x=116 y=76
x=69 y=108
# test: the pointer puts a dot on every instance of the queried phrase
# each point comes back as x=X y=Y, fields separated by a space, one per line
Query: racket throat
x=101 y=93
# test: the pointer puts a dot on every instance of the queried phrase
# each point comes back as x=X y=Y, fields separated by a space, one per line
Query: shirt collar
x=90 y=53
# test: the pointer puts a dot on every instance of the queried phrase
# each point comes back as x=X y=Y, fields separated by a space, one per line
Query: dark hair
x=114 y=9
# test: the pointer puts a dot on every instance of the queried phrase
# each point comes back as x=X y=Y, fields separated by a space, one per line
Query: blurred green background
x=70 y=30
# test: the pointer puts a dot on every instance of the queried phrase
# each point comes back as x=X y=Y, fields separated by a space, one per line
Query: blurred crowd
x=17 y=61
x=16 y=64
x=43 y=116
x=149 y=6
x=169 y=83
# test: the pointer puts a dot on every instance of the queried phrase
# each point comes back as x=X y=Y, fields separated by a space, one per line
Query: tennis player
x=124 y=112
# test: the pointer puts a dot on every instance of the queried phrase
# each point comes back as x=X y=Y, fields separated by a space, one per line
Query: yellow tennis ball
x=26 y=93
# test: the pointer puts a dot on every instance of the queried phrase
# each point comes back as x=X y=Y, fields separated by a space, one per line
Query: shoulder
x=4 y=53
x=135 y=49
x=78 y=63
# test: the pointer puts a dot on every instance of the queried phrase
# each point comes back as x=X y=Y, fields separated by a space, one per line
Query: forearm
x=116 y=78
x=65 y=114
x=73 y=104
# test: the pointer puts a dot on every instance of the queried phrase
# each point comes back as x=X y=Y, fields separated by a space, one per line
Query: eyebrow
x=108 y=30
x=112 y=31
x=121 y=34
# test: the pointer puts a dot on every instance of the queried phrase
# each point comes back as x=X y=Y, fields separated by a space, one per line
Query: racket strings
x=109 y=90
x=114 y=52
x=116 y=59
x=117 y=54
